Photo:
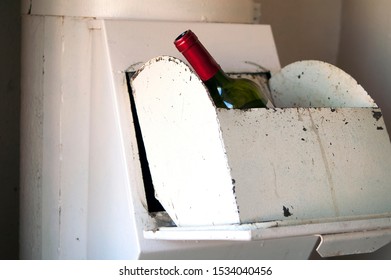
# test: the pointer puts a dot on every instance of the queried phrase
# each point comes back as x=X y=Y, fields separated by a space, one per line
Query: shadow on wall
x=9 y=128
x=365 y=48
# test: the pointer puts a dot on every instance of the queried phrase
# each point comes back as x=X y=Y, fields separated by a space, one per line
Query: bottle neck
x=197 y=55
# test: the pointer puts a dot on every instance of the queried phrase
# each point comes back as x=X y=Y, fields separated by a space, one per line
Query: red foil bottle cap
x=196 y=54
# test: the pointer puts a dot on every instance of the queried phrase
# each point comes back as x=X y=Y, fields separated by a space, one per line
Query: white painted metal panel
x=184 y=10
x=191 y=185
x=308 y=163
x=61 y=212
x=132 y=43
x=56 y=203
x=112 y=233
x=312 y=83
x=290 y=248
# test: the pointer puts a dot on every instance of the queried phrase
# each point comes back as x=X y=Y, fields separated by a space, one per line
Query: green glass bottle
x=226 y=92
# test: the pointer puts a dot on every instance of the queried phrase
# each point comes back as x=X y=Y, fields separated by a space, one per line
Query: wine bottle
x=226 y=92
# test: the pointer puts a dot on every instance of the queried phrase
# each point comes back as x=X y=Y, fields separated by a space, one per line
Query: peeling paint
x=286 y=212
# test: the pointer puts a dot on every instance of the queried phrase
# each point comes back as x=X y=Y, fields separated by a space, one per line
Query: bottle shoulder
x=236 y=92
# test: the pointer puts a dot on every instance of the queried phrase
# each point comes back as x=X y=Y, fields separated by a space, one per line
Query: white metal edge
x=269 y=230
x=349 y=243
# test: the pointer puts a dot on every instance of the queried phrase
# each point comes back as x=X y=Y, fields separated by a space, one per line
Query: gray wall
x=9 y=127
x=304 y=29
x=365 y=53
x=365 y=48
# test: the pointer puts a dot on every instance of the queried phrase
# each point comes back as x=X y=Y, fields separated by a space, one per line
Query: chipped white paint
x=287 y=165
x=173 y=124
x=284 y=163
x=297 y=158
x=312 y=83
